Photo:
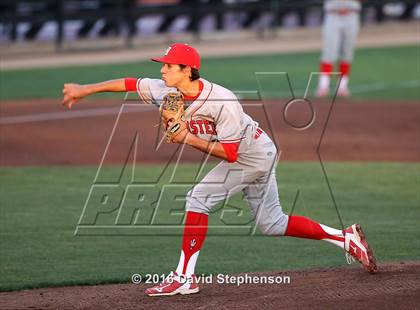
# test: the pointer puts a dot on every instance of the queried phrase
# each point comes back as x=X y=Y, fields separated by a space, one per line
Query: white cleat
x=343 y=92
x=322 y=92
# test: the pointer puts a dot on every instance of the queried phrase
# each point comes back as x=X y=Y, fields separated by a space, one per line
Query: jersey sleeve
x=228 y=121
x=150 y=89
x=231 y=151
x=130 y=84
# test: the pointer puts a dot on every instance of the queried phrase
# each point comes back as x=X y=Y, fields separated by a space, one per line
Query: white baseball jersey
x=216 y=115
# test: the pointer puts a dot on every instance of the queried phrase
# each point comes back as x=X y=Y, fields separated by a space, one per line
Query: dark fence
x=123 y=14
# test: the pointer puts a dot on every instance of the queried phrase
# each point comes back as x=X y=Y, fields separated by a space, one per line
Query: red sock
x=345 y=68
x=194 y=234
x=326 y=68
x=303 y=227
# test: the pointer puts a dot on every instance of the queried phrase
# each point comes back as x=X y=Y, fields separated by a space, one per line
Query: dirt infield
x=396 y=286
x=41 y=133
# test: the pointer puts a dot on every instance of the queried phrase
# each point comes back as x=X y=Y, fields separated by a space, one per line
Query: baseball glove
x=172 y=114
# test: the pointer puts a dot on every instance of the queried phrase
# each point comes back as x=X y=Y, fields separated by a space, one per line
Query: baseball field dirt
x=395 y=286
x=43 y=133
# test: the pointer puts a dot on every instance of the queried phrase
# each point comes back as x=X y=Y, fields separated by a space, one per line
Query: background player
x=339 y=34
x=218 y=126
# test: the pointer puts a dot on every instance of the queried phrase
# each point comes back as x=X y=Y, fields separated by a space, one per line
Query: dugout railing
x=123 y=14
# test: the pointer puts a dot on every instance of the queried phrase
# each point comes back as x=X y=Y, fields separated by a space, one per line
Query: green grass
x=378 y=73
x=40 y=209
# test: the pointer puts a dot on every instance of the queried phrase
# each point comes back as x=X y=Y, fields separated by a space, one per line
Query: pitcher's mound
x=395 y=286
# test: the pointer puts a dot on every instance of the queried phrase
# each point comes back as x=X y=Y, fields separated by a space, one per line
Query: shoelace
x=349 y=258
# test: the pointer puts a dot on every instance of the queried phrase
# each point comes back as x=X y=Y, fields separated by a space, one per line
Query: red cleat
x=174 y=284
x=358 y=249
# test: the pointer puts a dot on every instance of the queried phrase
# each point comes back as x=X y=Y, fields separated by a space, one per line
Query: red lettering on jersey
x=202 y=127
x=207 y=127
x=193 y=128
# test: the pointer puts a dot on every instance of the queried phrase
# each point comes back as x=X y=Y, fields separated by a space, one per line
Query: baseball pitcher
x=214 y=122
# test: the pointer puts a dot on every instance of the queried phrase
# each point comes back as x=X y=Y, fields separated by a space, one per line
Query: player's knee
x=275 y=228
x=194 y=203
x=270 y=230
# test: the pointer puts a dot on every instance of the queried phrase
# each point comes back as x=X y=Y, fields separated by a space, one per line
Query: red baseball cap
x=181 y=54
